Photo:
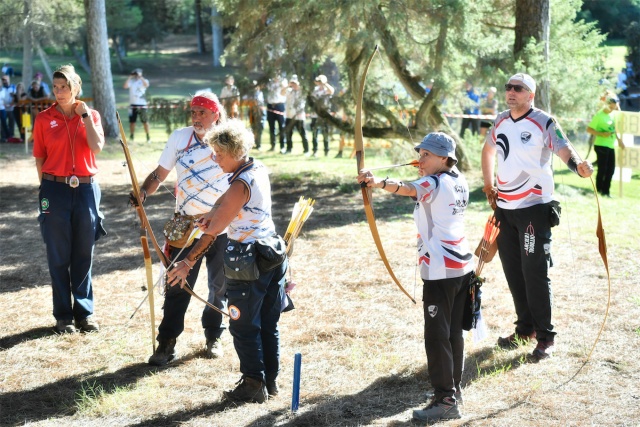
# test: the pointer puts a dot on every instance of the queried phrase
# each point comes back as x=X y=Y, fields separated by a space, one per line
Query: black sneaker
x=248 y=390
x=272 y=388
x=87 y=324
x=543 y=350
x=165 y=352
x=443 y=409
x=65 y=327
x=214 y=349
x=515 y=340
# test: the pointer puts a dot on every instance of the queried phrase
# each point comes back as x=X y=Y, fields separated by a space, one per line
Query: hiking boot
x=272 y=388
x=65 y=327
x=339 y=155
x=87 y=324
x=443 y=409
x=165 y=352
x=248 y=390
x=458 y=395
x=214 y=349
x=515 y=340
x=543 y=350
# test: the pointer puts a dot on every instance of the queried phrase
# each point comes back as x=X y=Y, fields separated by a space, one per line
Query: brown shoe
x=87 y=325
x=65 y=327
x=165 y=352
x=248 y=390
x=543 y=350
x=515 y=340
x=272 y=388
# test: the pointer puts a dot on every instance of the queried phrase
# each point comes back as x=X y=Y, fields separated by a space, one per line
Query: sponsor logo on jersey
x=525 y=137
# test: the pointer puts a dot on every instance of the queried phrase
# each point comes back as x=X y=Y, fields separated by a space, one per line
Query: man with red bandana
x=524 y=139
x=200 y=183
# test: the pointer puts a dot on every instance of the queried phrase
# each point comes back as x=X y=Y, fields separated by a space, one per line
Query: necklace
x=73 y=180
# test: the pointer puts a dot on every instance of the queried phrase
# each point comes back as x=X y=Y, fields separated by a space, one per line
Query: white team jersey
x=136 y=92
x=525 y=146
x=443 y=249
x=254 y=220
x=200 y=180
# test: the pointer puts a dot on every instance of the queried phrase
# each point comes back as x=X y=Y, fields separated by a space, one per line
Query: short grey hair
x=231 y=137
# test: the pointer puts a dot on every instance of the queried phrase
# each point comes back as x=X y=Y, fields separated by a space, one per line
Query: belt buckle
x=74 y=182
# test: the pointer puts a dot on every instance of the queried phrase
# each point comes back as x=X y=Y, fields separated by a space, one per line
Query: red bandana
x=201 y=101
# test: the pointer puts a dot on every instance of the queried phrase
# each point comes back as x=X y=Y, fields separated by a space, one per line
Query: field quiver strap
x=240 y=261
x=472 y=303
x=178 y=229
x=555 y=212
x=272 y=251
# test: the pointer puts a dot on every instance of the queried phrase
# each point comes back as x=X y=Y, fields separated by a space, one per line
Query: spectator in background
x=9 y=90
x=469 y=107
x=6 y=98
x=19 y=95
x=322 y=94
x=36 y=92
x=256 y=113
x=7 y=69
x=295 y=115
x=275 y=110
x=489 y=107
x=230 y=97
x=137 y=86
x=429 y=86
x=602 y=126
x=45 y=87
x=621 y=86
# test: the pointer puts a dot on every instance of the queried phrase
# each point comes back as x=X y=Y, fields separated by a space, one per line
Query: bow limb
x=602 y=248
x=366 y=191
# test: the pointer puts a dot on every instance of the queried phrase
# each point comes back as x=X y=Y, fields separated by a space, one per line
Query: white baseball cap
x=525 y=79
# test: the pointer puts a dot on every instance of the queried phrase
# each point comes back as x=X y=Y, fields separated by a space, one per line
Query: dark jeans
x=606 y=168
x=273 y=118
x=320 y=125
x=443 y=340
x=70 y=223
x=176 y=300
x=4 y=127
x=465 y=124
x=255 y=332
x=524 y=245
x=299 y=126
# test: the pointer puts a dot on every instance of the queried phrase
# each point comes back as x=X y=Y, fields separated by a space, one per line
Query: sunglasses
x=516 y=88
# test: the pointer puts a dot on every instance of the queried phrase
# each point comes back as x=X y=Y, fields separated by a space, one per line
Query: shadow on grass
x=32 y=334
x=62 y=398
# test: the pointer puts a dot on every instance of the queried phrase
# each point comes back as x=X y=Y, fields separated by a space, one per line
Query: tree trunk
x=198 y=11
x=104 y=99
x=533 y=18
x=117 y=48
x=27 y=47
x=216 y=39
x=48 y=72
x=81 y=57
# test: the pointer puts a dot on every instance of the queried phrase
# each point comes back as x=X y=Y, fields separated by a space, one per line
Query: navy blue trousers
x=255 y=309
x=274 y=119
x=176 y=300
x=70 y=223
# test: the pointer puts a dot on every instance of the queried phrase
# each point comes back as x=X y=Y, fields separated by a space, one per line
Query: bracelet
x=400 y=184
x=384 y=182
x=185 y=261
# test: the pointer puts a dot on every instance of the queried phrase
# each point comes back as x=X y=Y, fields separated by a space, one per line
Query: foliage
x=612 y=17
x=122 y=17
x=449 y=41
x=54 y=23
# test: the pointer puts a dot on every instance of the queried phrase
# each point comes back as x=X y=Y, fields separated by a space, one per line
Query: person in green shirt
x=602 y=126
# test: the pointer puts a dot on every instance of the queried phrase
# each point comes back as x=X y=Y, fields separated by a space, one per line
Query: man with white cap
x=446 y=265
x=295 y=115
x=137 y=86
x=201 y=182
x=524 y=139
x=321 y=94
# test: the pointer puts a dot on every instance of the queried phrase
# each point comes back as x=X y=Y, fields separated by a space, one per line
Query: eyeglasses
x=516 y=88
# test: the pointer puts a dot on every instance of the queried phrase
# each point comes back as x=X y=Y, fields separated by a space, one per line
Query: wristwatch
x=85 y=115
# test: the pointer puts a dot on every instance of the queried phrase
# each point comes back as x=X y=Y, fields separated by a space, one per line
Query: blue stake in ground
x=295 y=396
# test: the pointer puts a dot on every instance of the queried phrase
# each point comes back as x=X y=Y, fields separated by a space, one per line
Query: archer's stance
x=525 y=138
x=446 y=265
x=200 y=183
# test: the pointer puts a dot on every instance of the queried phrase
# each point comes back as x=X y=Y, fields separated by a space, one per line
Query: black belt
x=65 y=179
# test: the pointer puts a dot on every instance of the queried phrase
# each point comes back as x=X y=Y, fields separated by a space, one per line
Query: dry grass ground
x=360 y=338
